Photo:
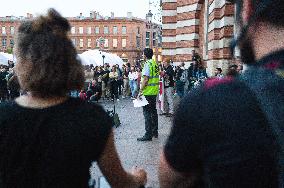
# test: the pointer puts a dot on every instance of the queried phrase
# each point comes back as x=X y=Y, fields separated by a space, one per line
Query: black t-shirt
x=221 y=131
x=51 y=147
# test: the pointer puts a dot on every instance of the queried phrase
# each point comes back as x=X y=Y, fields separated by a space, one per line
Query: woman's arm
x=112 y=169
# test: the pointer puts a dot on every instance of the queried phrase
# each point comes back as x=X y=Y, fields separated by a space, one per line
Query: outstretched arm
x=112 y=169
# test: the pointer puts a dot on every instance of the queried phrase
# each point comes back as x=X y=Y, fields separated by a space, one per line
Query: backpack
x=267 y=86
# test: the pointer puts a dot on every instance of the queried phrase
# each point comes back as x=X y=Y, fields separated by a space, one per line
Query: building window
x=160 y=40
x=123 y=43
x=81 y=30
x=12 y=30
x=138 y=30
x=12 y=43
x=97 y=30
x=123 y=30
x=81 y=43
x=4 y=30
x=147 y=39
x=114 y=43
x=74 y=42
x=4 y=42
x=105 y=30
x=89 y=43
x=73 y=30
x=89 y=30
x=154 y=39
x=115 y=30
x=97 y=43
x=138 y=43
x=106 y=43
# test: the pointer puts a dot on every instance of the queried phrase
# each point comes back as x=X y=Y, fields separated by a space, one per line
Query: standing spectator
x=169 y=86
x=161 y=96
x=233 y=71
x=196 y=57
x=95 y=71
x=89 y=76
x=113 y=77
x=100 y=74
x=179 y=84
x=3 y=84
x=105 y=82
x=218 y=73
x=235 y=137
x=150 y=88
x=48 y=139
x=120 y=79
x=125 y=73
x=240 y=69
x=133 y=76
x=191 y=73
x=139 y=73
x=13 y=87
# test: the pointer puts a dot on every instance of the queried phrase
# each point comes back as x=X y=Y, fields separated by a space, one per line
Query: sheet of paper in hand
x=140 y=102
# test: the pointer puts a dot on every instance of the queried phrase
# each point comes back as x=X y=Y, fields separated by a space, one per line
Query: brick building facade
x=123 y=36
x=206 y=26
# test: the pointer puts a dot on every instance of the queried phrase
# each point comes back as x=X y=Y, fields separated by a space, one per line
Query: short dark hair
x=273 y=13
x=219 y=69
x=47 y=60
x=148 y=52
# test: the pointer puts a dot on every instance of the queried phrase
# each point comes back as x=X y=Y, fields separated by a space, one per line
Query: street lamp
x=103 y=56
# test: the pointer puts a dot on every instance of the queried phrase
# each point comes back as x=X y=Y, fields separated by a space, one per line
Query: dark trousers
x=114 y=89
x=151 y=116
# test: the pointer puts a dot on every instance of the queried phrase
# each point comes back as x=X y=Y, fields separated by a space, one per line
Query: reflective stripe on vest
x=152 y=87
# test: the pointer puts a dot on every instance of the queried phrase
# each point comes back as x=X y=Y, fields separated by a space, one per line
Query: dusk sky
x=69 y=8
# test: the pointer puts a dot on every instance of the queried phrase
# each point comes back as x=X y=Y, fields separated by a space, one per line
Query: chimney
x=112 y=15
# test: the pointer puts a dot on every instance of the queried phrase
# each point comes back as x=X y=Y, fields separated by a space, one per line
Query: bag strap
x=266 y=86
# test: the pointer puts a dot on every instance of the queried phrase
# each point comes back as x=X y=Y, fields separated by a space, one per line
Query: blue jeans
x=133 y=87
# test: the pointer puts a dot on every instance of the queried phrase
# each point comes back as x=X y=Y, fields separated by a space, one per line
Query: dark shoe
x=144 y=138
x=169 y=115
x=156 y=135
x=163 y=114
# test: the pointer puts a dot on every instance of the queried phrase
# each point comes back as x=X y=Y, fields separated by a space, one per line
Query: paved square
x=131 y=152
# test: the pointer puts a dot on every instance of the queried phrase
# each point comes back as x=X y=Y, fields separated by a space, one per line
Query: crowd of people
x=110 y=83
x=9 y=86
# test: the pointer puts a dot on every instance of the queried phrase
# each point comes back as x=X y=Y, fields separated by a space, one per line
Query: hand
x=140 y=175
x=139 y=95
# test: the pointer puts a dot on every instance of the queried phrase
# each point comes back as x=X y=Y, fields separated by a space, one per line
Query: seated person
x=96 y=91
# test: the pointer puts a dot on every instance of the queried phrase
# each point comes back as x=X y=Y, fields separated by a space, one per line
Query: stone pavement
x=131 y=152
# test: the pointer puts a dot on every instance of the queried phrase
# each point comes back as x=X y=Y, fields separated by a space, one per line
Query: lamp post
x=103 y=56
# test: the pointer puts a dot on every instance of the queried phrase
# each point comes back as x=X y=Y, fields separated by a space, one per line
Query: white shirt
x=133 y=76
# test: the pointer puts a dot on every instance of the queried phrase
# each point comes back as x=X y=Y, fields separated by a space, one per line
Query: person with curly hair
x=48 y=139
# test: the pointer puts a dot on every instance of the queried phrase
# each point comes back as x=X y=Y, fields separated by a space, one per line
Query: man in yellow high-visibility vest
x=150 y=88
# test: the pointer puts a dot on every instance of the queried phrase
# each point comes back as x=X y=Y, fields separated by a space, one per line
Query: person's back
x=48 y=139
x=224 y=133
x=51 y=147
x=226 y=140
